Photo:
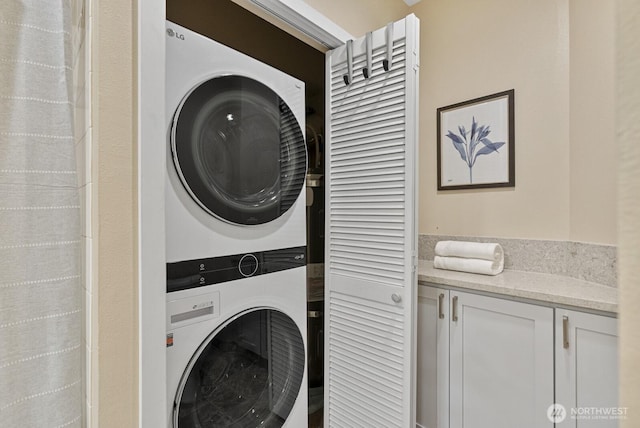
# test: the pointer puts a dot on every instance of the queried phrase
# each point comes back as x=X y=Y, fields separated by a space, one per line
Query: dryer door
x=246 y=374
x=239 y=150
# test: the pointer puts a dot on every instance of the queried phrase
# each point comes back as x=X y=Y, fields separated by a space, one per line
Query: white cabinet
x=432 y=408
x=482 y=361
x=501 y=363
x=491 y=362
x=586 y=368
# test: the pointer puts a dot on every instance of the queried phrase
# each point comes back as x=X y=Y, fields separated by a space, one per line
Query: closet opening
x=237 y=27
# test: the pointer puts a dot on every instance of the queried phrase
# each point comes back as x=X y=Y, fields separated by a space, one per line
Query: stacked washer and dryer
x=236 y=239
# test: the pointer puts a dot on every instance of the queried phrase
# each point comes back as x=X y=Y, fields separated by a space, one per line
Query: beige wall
x=558 y=56
x=628 y=127
x=471 y=49
x=115 y=212
x=360 y=16
x=592 y=121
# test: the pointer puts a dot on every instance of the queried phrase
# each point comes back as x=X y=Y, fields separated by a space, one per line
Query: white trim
x=151 y=239
x=412 y=134
x=304 y=18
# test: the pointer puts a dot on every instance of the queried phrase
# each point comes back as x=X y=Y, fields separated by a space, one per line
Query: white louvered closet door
x=371 y=230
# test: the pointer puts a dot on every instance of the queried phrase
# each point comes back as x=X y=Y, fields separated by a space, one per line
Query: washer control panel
x=189 y=274
x=248 y=265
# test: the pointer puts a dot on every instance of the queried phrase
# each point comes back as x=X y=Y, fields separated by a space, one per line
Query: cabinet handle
x=565 y=332
x=396 y=298
x=440 y=308
x=454 y=309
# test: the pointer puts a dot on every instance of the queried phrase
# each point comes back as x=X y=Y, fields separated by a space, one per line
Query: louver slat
x=370 y=241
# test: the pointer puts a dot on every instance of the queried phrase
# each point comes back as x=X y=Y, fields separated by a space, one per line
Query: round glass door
x=239 y=150
x=248 y=374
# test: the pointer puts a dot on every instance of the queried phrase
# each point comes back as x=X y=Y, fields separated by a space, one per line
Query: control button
x=248 y=265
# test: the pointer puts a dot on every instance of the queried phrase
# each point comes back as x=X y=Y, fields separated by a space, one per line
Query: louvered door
x=371 y=229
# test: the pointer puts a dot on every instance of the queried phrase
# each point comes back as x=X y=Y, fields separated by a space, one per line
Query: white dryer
x=236 y=150
x=236 y=239
x=236 y=351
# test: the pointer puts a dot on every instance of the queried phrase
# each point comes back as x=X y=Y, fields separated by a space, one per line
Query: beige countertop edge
x=554 y=289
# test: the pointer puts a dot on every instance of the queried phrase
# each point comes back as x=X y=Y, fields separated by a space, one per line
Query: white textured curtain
x=40 y=307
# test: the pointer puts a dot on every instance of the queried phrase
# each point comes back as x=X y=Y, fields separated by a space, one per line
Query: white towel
x=469 y=250
x=484 y=267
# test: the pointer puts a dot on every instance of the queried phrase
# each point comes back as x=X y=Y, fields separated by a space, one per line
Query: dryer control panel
x=189 y=274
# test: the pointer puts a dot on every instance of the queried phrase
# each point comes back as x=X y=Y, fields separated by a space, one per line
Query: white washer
x=236 y=236
x=236 y=353
x=236 y=151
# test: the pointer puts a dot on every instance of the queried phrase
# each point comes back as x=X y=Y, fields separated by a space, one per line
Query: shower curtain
x=41 y=314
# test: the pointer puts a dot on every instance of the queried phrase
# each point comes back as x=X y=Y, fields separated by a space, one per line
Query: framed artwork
x=476 y=143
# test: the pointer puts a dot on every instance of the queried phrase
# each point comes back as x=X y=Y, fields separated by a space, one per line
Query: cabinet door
x=432 y=410
x=586 y=367
x=371 y=234
x=501 y=363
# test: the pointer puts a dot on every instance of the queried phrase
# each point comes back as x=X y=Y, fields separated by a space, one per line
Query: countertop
x=552 y=289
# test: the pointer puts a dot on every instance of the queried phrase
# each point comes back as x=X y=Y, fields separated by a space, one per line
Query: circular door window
x=247 y=374
x=239 y=150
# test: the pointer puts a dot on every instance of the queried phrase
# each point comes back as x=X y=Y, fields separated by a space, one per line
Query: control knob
x=248 y=265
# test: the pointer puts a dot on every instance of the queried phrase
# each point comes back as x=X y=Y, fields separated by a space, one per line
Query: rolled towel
x=484 y=267
x=469 y=250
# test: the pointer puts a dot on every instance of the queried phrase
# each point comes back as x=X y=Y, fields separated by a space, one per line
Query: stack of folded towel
x=473 y=257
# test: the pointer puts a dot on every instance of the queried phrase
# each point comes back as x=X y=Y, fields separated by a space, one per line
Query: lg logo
x=172 y=33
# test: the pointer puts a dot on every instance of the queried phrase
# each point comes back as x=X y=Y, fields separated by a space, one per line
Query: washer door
x=246 y=374
x=239 y=150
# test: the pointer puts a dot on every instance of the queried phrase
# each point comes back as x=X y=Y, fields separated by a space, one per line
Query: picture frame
x=483 y=155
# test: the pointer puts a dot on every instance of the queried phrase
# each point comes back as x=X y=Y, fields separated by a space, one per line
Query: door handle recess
x=565 y=332
x=454 y=309
x=440 y=306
